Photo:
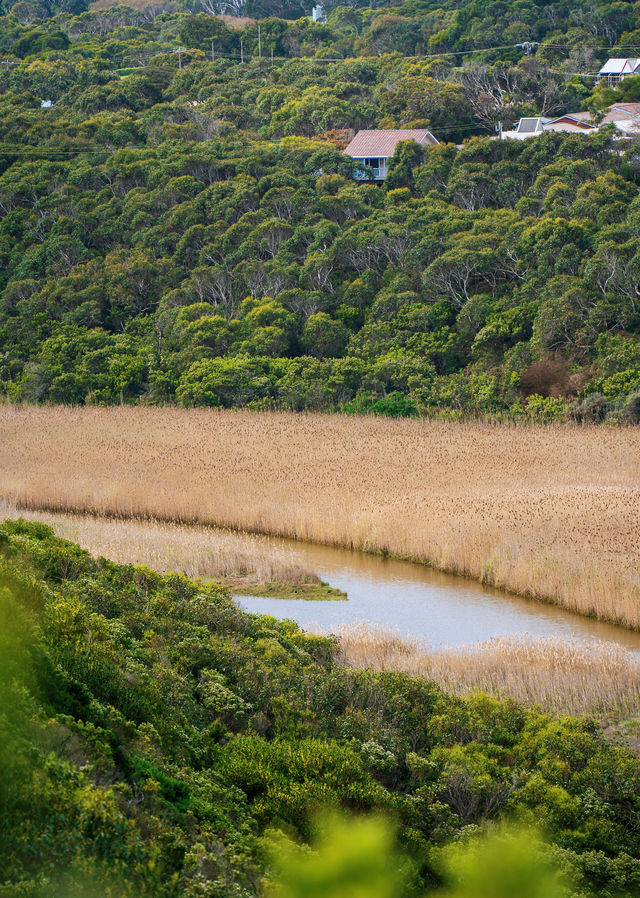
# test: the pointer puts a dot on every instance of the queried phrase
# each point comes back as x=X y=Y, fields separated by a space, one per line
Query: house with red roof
x=625 y=116
x=569 y=122
x=373 y=149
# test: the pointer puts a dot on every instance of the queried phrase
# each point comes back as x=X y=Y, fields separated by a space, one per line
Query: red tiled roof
x=581 y=119
x=583 y=116
x=621 y=112
x=372 y=144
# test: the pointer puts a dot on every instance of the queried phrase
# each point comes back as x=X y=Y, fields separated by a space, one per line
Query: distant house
x=46 y=104
x=570 y=122
x=625 y=116
x=615 y=70
x=373 y=149
x=526 y=127
x=317 y=13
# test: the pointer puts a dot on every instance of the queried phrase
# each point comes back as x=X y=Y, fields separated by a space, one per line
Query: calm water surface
x=440 y=609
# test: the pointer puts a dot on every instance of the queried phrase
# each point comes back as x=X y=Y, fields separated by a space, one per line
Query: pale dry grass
x=551 y=512
x=561 y=676
x=239 y=558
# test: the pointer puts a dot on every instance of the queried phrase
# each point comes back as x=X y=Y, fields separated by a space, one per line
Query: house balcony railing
x=368 y=173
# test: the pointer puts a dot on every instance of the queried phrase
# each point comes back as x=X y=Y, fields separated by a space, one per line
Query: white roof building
x=617 y=69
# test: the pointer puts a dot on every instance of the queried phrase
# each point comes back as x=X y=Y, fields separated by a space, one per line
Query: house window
x=374 y=163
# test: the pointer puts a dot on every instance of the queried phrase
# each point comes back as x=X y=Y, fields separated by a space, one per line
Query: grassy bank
x=546 y=512
x=245 y=563
x=310 y=592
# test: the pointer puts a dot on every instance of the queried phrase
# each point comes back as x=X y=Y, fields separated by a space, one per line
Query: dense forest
x=155 y=740
x=183 y=227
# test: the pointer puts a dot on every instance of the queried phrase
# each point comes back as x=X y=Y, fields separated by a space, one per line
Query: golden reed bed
x=559 y=676
x=240 y=560
x=552 y=512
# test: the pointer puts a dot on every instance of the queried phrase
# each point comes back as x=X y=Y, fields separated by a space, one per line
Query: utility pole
x=241 y=50
x=213 y=52
x=179 y=51
x=272 y=57
x=259 y=43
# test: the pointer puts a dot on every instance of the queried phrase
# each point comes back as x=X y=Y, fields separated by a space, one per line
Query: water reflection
x=438 y=608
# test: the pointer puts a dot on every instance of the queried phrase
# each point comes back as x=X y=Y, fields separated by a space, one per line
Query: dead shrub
x=548 y=377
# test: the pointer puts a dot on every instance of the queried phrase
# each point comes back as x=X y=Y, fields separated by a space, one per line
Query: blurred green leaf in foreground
x=356 y=859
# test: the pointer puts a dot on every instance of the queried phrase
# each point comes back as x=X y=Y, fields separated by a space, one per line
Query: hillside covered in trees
x=184 y=228
x=154 y=740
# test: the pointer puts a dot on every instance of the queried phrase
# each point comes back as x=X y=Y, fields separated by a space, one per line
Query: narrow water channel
x=440 y=609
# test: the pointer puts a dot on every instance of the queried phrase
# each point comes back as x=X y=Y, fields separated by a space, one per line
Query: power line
x=242 y=56
x=526 y=47
x=422 y=56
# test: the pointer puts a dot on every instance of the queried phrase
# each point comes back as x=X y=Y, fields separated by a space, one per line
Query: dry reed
x=561 y=676
x=550 y=512
x=237 y=558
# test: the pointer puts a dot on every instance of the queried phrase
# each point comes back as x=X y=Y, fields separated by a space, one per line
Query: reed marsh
x=560 y=676
x=247 y=564
x=550 y=512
